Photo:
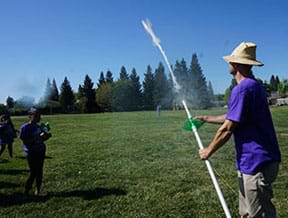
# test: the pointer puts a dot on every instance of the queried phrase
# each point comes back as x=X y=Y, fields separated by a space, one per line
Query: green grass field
x=130 y=165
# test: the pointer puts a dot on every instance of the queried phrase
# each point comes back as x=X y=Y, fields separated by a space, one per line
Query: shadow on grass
x=12 y=171
x=20 y=199
x=91 y=194
x=6 y=185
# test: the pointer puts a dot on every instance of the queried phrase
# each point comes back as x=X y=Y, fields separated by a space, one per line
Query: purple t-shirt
x=29 y=131
x=6 y=134
x=255 y=139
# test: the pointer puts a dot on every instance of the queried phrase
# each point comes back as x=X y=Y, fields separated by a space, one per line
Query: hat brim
x=233 y=59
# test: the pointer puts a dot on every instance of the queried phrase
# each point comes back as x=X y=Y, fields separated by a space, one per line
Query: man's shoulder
x=247 y=85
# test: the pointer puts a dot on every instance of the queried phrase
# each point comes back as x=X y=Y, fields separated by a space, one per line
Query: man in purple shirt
x=33 y=138
x=249 y=120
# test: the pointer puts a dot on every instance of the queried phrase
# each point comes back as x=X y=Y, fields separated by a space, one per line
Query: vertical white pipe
x=210 y=170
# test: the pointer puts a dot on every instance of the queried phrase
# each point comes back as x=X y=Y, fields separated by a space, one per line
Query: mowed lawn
x=130 y=165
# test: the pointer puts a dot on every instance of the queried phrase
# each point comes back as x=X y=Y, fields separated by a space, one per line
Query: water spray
x=156 y=41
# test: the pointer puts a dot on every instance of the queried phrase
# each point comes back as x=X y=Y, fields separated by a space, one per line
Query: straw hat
x=245 y=53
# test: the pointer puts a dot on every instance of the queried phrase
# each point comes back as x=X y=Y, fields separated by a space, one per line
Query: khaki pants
x=255 y=192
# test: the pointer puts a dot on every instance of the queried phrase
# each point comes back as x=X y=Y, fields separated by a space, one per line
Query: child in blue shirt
x=33 y=138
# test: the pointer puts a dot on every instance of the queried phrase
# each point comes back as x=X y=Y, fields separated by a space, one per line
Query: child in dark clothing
x=33 y=138
x=7 y=134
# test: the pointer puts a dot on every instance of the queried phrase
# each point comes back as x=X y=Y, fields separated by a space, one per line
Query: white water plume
x=156 y=41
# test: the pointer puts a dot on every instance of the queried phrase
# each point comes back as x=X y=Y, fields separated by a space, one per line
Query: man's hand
x=204 y=153
x=203 y=118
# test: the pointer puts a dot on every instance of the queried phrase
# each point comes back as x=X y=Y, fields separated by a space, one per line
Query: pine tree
x=181 y=73
x=48 y=92
x=136 y=92
x=109 y=77
x=88 y=92
x=123 y=74
x=199 y=92
x=160 y=87
x=273 y=84
x=148 y=89
x=66 y=98
x=101 y=79
x=210 y=93
x=54 y=91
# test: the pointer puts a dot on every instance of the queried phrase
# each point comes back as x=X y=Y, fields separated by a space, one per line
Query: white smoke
x=156 y=41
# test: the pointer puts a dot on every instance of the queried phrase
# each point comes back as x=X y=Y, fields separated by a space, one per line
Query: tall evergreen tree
x=66 y=98
x=148 y=89
x=273 y=84
x=101 y=79
x=136 y=92
x=160 y=87
x=199 y=92
x=88 y=92
x=123 y=74
x=48 y=91
x=54 y=91
x=210 y=92
x=181 y=73
x=277 y=81
x=109 y=77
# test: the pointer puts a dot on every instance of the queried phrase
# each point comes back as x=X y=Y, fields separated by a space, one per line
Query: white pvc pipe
x=210 y=170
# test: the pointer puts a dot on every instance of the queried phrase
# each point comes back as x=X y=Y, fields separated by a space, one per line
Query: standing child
x=7 y=134
x=33 y=138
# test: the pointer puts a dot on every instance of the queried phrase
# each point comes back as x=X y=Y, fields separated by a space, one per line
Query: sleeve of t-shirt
x=25 y=133
x=236 y=107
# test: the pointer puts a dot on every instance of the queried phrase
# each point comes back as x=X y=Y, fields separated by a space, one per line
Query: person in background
x=249 y=120
x=7 y=134
x=33 y=138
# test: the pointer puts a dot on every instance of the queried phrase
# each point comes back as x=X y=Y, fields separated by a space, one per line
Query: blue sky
x=56 y=38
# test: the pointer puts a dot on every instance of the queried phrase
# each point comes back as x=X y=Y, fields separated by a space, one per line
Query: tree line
x=127 y=93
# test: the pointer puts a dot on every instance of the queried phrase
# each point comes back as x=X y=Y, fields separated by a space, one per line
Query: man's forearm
x=212 y=119
x=221 y=137
x=223 y=134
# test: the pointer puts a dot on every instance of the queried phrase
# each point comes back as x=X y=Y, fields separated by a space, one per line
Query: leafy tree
x=10 y=102
x=104 y=96
x=148 y=89
x=121 y=95
x=283 y=88
x=136 y=92
x=66 y=98
x=123 y=74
